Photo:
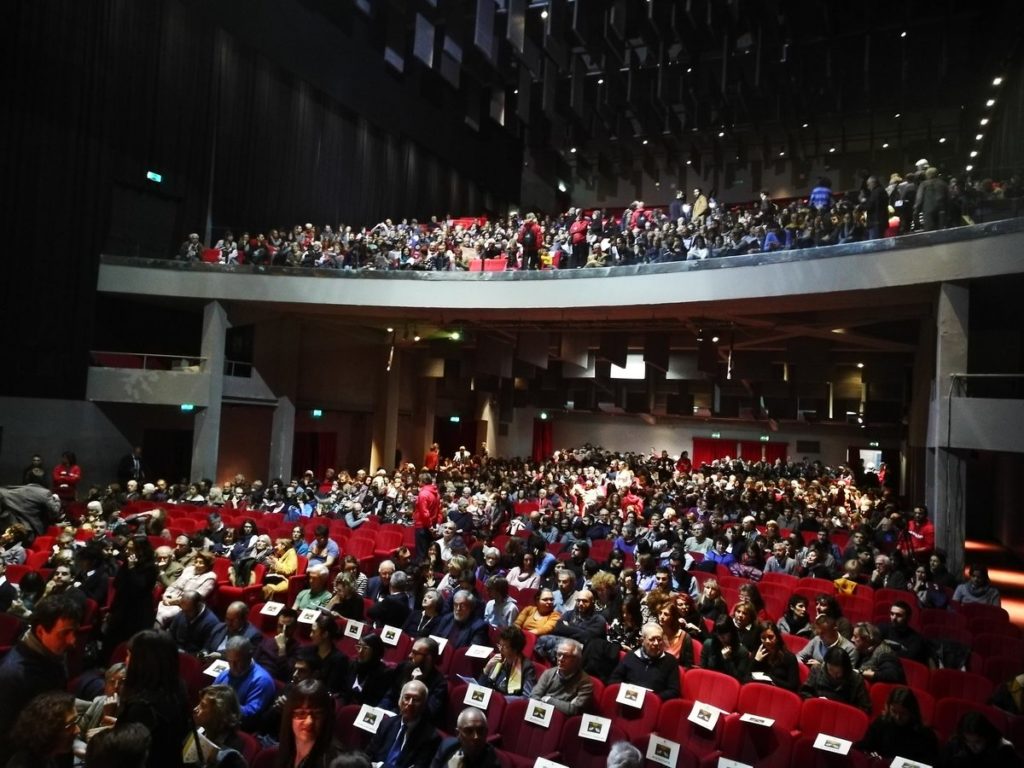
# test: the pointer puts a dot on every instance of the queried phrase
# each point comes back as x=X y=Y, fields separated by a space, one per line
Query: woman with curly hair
x=44 y=732
x=219 y=714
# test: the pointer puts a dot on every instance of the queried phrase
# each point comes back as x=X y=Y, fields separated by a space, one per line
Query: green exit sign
x=873 y=444
x=765 y=438
x=154 y=176
x=716 y=435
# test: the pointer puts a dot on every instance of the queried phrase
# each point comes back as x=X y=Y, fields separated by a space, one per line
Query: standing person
x=131 y=467
x=530 y=238
x=931 y=201
x=578 y=239
x=153 y=695
x=132 y=609
x=426 y=513
x=66 y=477
x=876 y=209
x=433 y=457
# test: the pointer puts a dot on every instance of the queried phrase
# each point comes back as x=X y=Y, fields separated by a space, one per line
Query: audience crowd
x=586 y=570
x=692 y=227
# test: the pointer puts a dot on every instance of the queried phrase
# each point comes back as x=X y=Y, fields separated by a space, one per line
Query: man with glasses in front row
x=565 y=686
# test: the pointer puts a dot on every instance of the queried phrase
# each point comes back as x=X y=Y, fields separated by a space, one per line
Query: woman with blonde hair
x=280 y=566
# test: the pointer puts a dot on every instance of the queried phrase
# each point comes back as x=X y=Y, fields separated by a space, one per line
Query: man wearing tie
x=409 y=740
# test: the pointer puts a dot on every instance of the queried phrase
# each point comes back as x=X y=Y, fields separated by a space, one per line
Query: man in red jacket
x=578 y=239
x=531 y=238
x=426 y=513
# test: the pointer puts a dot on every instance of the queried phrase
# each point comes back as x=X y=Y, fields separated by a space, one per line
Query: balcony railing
x=148 y=361
x=1001 y=386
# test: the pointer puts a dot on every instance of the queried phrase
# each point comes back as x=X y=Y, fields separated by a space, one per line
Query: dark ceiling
x=656 y=85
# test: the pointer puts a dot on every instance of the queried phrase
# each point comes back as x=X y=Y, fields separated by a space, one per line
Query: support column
x=945 y=472
x=486 y=424
x=206 y=423
x=282 y=438
x=425 y=410
x=385 y=416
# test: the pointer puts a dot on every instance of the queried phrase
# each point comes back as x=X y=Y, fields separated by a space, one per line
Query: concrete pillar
x=206 y=423
x=424 y=413
x=486 y=423
x=282 y=439
x=945 y=472
x=385 y=415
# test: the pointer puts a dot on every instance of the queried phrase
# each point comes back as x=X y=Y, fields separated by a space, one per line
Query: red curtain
x=542 y=439
x=706 y=450
x=773 y=451
x=750 y=450
x=316 y=451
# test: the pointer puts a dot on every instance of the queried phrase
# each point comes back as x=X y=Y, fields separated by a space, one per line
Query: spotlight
x=897 y=115
x=644 y=142
x=903 y=35
x=721 y=134
x=804 y=125
x=416 y=337
x=782 y=154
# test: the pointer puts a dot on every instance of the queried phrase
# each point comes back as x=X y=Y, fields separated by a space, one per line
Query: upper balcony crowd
x=794 y=591
x=692 y=227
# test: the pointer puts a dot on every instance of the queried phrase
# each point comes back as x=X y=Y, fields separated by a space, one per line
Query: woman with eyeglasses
x=45 y=731
x=307 y=727
x=368 y=679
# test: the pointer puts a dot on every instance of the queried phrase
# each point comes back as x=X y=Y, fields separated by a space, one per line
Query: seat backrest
x=879 y=693
x=832 y=717
x=768 y=701
x=918 y=675
x=523 y=738
x=586 y=753
x=956 y=684
x=495 y=709
x=949 y=711
x=763 y=746
x=634 y=721
x=715 y=688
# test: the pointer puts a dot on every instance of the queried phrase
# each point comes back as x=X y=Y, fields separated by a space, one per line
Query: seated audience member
x=317 y=594
x=44 y=732
x=500 y=610
x=461 y=626
x=826 y=637
x=1009 y=695
x=345 y=601
x=425 y=621
x=583 y=623
x=710 y=603
x=196 y=577
x=566 y=686
x=220 y=716
x=277 y=654
x=772 y=659
x=281 y=565
x=421 y=665
x=126 y=746
x=836 y=679
x=468 y=748
x=876 y=661
x=540 y=618
x=508 y=671
x=979 y=743
x=379 y=587
x=196 y=629
x=333 y=664
x=906 y=641
x=650 y=666
x=369 y=679
x=252 y=684
x=323 y=550
x=409 y=740
x=307 y=727
x=977 y=588
x=393 y=608
x=885 y=576
x=723 y=651
x=525 y=575
x=900 y=731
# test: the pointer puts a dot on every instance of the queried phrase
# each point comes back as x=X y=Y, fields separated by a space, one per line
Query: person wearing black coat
x=649 y=666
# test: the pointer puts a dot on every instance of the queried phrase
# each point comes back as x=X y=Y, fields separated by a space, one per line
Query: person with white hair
x=624 y=755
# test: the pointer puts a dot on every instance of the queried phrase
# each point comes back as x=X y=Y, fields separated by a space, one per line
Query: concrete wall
x=50 y=427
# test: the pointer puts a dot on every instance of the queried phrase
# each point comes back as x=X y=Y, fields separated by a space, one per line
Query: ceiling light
x=657 y=183
x=391 y=330
x=903 y=35
x=983 y=121
x=997 y=81
x=543 y=415
x=979 y=136
x=782 y=154
x=942 y=140
x=516 y=92
x=897 y=115
x=689 y=162
x=831 y=150
x=644 y=142
x=721 y=134
x=885 y=145
x=714 y=339
x=974 y=153
x=544 y=14
x=573 y=150
x=838 y=330
x=600 y=81
x=689 y=70
x=416 y=337
x=990 y=103
x=969 y=168
x=455 y=336
x=860 y=365
x=804 y=125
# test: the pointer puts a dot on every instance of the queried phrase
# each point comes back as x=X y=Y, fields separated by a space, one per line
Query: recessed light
x=721 y=134
x=544 y=14
x=860 y=365
x=897 y=115
x=983 y=121
x=782 y=154
x=979 y=136
x=990 y=103
x=885 y=145
x=644 y=142
x=831 y=150
x=942 y=140
x=804 y=125
x=416 y=337
x=903 y=35
x=600 y=81
x=689 y=70
x=997 y=81
x=573 y=150
x=974 y=153
x=391 y=330
x=689 y=162
x=969 y=168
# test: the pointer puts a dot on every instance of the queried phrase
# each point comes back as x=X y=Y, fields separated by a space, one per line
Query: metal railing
x=987 y=385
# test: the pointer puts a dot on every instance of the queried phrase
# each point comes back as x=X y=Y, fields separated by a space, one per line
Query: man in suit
x=8 y=592
x=469 y=747
x=409 y=740
x=394 y=608
x=422 y=666
x=462 y=627
x=131 y=468
x=379 y=586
